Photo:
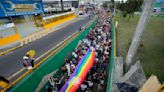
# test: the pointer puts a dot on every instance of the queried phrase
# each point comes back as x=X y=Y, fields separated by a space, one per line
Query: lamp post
x=62 y=6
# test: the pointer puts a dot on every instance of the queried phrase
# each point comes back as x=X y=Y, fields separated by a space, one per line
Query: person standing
x=28 y=62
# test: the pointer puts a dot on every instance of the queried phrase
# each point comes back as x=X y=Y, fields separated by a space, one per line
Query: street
x=12 y=62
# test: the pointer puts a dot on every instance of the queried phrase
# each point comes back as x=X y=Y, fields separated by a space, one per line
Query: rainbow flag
x=80 y=72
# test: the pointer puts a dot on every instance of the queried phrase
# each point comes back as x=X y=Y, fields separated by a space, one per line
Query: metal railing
x=111 y=60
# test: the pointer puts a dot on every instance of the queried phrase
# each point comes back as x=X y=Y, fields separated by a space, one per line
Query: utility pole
x=62 y=6
x=145 y=16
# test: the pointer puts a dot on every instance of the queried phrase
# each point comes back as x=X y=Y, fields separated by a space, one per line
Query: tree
x=132 y=6
x=105 y=5
x=146 y=13
x=129 y=7
x=122 y=7
x=112 y=1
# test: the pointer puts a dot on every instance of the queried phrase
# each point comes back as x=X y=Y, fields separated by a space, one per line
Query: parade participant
x=28 y=62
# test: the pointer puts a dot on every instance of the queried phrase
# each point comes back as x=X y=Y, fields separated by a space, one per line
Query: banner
x=20 y=7
x=80 y=72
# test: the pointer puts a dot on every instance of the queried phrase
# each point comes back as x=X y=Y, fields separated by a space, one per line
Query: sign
x=20 y=7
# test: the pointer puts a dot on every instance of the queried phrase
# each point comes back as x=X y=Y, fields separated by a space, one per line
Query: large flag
x=80 y=72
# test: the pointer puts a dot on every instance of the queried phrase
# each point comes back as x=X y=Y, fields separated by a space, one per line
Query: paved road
x=12 y=62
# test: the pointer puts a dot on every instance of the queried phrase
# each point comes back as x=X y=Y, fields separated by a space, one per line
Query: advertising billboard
x=20 y=7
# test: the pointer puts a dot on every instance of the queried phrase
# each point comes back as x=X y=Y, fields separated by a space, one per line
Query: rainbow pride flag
x=80 y=72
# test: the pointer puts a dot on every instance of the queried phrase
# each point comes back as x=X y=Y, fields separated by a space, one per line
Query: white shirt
x=25 y=57
x=90 y=83
x=68 y=69
x=52 y=82
x=83 y=87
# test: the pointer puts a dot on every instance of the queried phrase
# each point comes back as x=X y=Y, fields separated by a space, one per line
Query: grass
x=151 y=54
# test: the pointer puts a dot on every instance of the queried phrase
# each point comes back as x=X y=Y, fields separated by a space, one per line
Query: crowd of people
x=99 y=39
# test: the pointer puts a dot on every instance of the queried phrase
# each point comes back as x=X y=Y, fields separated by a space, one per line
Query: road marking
x=26 y=40
x=16 y=73
x=7 y=51
x=53 y=52
x=49 y=55
x=57 y=46
x=43 y=54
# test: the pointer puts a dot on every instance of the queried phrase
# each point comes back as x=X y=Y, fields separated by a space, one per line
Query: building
x=20 y=9
x=52 y=7
x=21 y=18
x=13 y=12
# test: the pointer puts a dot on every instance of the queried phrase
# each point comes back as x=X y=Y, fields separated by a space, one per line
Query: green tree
x=132 y=6
x=129 y=7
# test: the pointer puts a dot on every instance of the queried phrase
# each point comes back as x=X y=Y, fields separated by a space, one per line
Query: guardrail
x=58 y=15
x=111 y=60
x=54 y=20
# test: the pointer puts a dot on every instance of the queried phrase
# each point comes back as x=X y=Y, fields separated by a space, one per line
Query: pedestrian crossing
x=34 y=37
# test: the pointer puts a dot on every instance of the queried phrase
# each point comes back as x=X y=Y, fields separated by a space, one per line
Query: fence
x=111 y=63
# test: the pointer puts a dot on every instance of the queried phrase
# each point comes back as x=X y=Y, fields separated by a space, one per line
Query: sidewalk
x=28 y=28
x=24 y=29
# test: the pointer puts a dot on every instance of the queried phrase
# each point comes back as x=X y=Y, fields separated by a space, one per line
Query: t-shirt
x=27 y=62
x=68 y=68
x=83 y=87
x=90 y=83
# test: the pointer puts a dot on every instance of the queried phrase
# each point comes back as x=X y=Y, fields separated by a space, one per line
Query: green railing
x=30 y=82
x=111 y=61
